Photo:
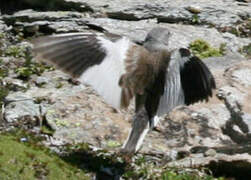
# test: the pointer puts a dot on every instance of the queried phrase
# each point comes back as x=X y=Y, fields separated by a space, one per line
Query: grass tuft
x=30 y=160
x=203 y=49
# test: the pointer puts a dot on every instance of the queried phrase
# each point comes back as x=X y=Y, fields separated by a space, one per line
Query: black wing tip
x=72 y=53
x=197 y=81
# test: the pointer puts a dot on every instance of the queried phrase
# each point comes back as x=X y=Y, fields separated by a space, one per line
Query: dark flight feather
x=73 y=53
x=197 y=81
x=188 y=80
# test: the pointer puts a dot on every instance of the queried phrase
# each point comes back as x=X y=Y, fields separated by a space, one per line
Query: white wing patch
x=173 y=92
x=104 y=77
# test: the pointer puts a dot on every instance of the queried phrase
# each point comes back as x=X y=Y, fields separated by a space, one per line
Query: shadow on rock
x=105 y=166
x=12 y=6
x=240 y=170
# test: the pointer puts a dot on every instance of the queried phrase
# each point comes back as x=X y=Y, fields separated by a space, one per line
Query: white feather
x=104 y=77
x=173 y=93
x=156 y=120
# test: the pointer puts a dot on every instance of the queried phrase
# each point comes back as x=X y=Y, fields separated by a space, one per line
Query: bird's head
x=157 y=39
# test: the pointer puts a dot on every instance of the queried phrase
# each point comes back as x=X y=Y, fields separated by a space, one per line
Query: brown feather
x=142 y=68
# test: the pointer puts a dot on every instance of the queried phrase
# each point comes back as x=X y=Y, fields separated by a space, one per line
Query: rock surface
x=213 y=134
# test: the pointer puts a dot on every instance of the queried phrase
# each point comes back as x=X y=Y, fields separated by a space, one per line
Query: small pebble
x=23 y=139
x=194 y=9
x=210 y=152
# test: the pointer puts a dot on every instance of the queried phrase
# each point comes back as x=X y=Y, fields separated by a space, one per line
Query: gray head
x=157 y=39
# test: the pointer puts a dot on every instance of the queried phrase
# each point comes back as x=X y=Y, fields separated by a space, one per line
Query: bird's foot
x=159 y=128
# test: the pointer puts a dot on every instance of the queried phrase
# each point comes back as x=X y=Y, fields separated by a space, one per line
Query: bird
x=121 y=70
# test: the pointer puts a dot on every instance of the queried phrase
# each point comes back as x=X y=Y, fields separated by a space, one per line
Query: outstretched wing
x=99 y=60
x=188 y=80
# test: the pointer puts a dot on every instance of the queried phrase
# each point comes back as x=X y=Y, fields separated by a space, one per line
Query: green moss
x=112 y=144
x=47 y=130
x=235 y=31
x=61 y=123
x=29 y=68
x=24 y=72
x=3 y=72
x=4 y=91
x=1 y=35
x=40 y=99
x=195 y=19
x=59 y=85
x=15 y=51
x=203 y=49
x=27 y=160
x=1 y=43
x=246 y=50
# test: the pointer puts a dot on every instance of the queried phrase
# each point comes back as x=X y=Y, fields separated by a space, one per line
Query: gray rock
x=238 y=103
x=210 y=152
x=84 y=117
x=15 y=84
x=29 y=21
x=243 y=76
x=2 y=25
x=19 y=107
x=216 y=13
x=40 y=81
x=11 y=6
x=31 y=16
x=199 y=162
x=182 y=35
x=247 y=121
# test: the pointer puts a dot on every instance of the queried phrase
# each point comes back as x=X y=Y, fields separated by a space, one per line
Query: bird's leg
x=140 y=127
